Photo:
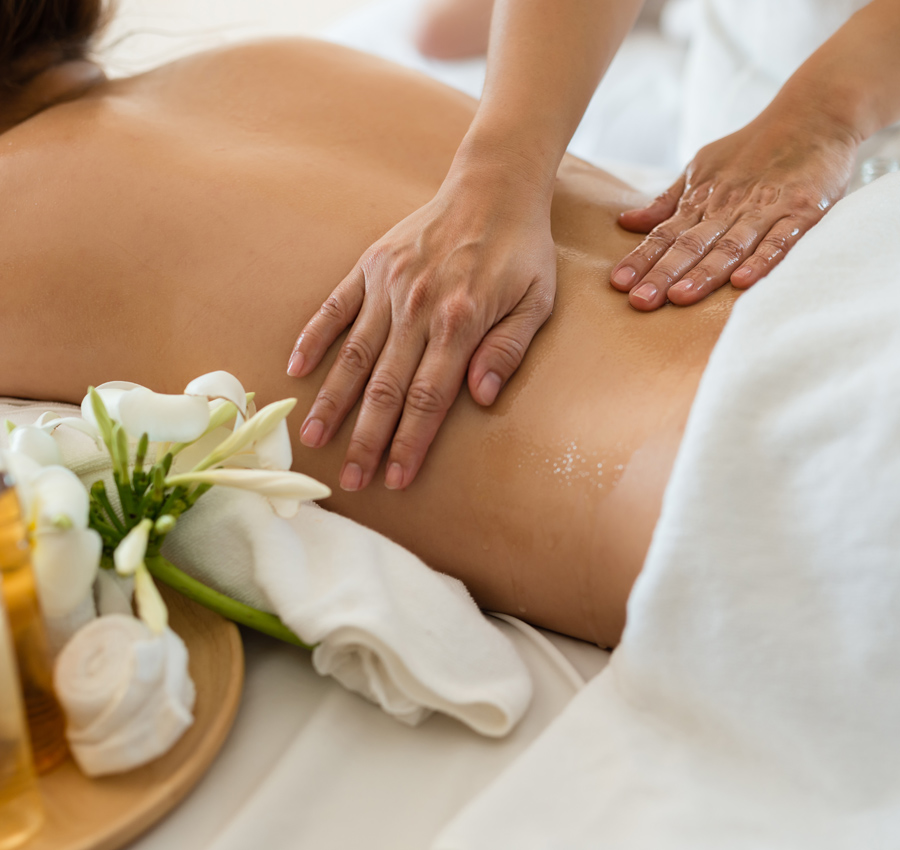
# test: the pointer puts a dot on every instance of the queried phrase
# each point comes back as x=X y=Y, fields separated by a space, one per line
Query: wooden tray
x=105 y=813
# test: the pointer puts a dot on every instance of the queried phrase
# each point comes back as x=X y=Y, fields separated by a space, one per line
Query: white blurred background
x=145 y=33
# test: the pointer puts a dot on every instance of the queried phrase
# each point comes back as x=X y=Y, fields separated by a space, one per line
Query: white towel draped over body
x=388 y=627
x=755 y=698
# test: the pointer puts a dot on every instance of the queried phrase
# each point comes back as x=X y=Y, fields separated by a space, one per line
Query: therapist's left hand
x=740 y=206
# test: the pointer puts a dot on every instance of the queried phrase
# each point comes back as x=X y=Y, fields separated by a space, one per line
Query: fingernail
x=743 y=273
x=394 y=478
x=489 y=387
x=647 y=292
x=351 y=477
x=311 y=433
x=623 y=276
x=685 y=286
x=295 y=364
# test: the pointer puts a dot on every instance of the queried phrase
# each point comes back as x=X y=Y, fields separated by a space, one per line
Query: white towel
x=755 y=699
x=388 y=627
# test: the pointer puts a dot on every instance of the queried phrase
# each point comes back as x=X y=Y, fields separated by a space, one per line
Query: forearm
x=544 y=62
x=853 y=80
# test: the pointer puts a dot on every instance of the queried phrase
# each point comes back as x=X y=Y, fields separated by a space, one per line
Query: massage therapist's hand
x=740 y=206
x=462 y=285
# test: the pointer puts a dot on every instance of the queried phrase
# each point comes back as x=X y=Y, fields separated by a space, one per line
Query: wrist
x=832 y=112
x=495 y=165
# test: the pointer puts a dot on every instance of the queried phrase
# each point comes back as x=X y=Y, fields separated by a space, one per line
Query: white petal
x=279 y=485
x=78 y=424
x=130 y=552
x=22 y=469
x=47 y=420
x=253 y=430
x=37 y=444
x=150 y=605
x=190 y=456
x=285 y=508
x=274 y=449
x=219 y=384
x=111 y=393
x=58 y=492
x=65 y=566
x=164 y=418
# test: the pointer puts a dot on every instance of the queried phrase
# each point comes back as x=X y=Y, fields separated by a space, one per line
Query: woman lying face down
x=192 y=218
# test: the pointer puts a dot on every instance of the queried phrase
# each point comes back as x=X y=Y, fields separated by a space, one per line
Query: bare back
x=195 y=217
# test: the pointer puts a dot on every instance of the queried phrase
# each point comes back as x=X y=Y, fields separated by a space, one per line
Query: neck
x=58 y=84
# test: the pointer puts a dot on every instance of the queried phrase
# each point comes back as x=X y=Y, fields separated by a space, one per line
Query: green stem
x=229 y=608
x=103 y=499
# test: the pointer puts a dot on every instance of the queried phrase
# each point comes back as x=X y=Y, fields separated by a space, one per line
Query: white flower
x=129 y=560
x=252 y=431
x=50 y=421
x=65 y=565
x=132 y=549
x=36 y=443
x=111 y=393
x=163 y=418
x=57 y=499
x=150 y=604
x=284 y=490
x=273 y=450
x=220 y=385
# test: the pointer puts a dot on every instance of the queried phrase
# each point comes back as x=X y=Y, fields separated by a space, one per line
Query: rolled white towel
x=126 y=692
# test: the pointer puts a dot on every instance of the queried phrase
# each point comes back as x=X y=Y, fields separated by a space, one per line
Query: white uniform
x=742 y=52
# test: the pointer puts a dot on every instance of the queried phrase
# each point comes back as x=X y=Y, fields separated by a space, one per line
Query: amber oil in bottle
x=21 y=813
x=45 y=718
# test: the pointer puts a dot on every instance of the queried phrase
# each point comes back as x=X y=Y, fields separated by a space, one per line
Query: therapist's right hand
x=459 y=287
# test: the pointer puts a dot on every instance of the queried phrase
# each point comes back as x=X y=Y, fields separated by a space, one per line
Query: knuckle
x=509 y=351
x=356 y=354
x=332 y=310
x=418 y=296
x=731 y=249
x=691 y=243
x=660 y=238
x=425 y=397
x=363 y=444
x=543 y=305
x=457 y=313
x=405 y=448
x=774 y=245
x=328 y=404
x=384 y=392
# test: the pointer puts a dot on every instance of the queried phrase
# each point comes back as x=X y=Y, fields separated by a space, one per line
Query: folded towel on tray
x=404 y=636
x=755 y=698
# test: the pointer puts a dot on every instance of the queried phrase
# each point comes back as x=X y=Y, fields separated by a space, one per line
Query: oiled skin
x=195 y=217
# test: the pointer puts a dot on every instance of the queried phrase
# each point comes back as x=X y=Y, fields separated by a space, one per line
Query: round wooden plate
x=105 y=813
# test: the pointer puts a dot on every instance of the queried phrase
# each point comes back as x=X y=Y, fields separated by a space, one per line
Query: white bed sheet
x=310 y=765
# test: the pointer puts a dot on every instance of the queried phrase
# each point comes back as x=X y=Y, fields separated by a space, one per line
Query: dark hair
x=36 y=34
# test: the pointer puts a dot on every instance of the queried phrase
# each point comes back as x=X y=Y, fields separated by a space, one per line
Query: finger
x=685 y=252
x=502 y=350
x=726 y=255
x=770 y=252
x=628 y=273
x=383 y=401
x=657 y=211
x=347 y=377
x=433 y=389
x=335 y=315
